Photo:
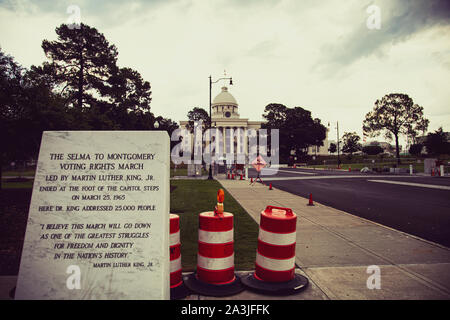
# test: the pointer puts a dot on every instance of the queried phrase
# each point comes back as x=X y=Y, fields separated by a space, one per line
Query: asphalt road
x=419 y=206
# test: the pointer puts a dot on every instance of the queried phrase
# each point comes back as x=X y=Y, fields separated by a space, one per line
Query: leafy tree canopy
x=298 y=130
x=437 y=143
x=351 y=142
x=393 y=115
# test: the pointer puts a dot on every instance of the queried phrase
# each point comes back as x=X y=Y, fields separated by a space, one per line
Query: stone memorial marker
x=98 y=224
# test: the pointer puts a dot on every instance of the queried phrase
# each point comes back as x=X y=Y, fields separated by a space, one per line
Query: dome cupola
x=224 y=105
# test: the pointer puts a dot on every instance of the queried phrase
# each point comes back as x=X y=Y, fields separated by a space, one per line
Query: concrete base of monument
x=213 y=290
x=179 y=292
x=297 y=284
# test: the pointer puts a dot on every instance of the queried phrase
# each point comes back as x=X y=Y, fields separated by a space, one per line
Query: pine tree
x=81 y=61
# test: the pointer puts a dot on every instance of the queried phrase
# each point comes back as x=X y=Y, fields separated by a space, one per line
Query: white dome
x=224 y=98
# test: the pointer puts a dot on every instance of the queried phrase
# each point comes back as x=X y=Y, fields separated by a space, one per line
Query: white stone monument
x=98 y=224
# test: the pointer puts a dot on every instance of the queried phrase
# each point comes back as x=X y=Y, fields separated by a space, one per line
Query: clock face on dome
x=228 y=114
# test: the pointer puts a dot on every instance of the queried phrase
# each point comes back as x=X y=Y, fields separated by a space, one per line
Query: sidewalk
x=335 y=248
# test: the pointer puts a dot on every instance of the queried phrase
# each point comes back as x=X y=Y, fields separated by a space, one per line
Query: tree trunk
x=1 y=172
x=80 y=83
x=81 y=76
x=397 y=149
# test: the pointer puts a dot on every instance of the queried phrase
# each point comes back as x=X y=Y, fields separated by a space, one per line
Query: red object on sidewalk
x=311 y=203
x=349 y=169
x=215 y=259
x=270 y=186
x=241 y=177
x=175 y=253
x=275 y=256
x=177 y=288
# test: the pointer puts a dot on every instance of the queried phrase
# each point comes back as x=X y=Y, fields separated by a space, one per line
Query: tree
x=332 y=148
x=416 y=149
x=351 y=142
x=421 y=127
x=195 y=115
x=129 y=91
x=81 y=62
x=27 y=107
x=298 y=130
x=11 y=77
x=394 y=114
x=437 y=143
x=372 y=150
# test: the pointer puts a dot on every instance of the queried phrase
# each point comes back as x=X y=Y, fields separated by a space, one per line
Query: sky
x=334 y=58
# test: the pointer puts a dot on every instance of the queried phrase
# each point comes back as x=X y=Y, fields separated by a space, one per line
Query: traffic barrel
x=275 y=257
x=177 y=288
x=215 y=258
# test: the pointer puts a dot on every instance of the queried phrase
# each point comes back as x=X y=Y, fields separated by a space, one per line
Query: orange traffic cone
x=311 y=203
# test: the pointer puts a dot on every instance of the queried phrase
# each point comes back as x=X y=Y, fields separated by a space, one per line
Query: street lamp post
x=337 y=129
x=210 y=177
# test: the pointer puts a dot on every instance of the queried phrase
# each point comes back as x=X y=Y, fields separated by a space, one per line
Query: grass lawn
x=178 y=172
x=17 y=185
x=14 y=204
x=26 y=173
x=189 y=198
x=192 y=197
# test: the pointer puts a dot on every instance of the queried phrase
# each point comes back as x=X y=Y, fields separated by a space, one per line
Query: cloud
x=400 y=20
x=269 y=47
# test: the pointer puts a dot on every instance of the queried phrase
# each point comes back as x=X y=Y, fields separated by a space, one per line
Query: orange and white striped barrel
x=215 y=259
x=275 y=256
x=175 y=252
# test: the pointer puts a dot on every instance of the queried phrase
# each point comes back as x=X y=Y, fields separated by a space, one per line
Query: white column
x=245 y=142
x=232 y=140
x=216 y=153
x=224 y=142
x=238 y=146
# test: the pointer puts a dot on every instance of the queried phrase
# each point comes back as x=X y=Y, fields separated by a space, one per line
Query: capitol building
x=226 y=119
